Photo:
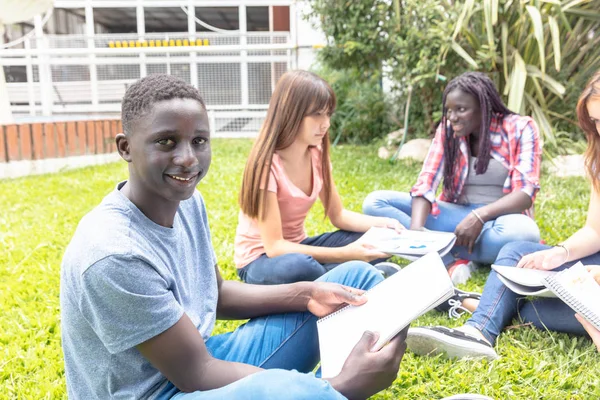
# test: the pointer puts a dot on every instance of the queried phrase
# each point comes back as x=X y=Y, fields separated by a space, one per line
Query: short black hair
x=143 y=94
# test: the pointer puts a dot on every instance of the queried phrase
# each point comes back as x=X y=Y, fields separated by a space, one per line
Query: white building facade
x=79 y=60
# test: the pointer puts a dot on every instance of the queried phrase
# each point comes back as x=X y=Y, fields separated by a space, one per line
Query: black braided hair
x=143 y=94
x=483 y=89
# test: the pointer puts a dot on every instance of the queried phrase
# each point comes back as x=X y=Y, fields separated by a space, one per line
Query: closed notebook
x=409 y=244
x=391 y=306
x=578 y=289
x=526 y=282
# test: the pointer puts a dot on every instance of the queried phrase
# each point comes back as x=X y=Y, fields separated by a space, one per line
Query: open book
x=391 y=306
x=409 y=244
x=526 y=282
x=578 y=289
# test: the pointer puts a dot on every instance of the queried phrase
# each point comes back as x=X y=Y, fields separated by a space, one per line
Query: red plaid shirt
x=515 y=143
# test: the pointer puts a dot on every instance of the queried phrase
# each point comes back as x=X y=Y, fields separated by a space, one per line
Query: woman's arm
x=584 y=242
x=352 y=221
x=275 y=245
x=513 y=203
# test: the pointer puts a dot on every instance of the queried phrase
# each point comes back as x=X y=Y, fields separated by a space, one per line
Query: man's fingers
x=358 y=292
x=367 y=341
x=347 y=296
x=396 y=346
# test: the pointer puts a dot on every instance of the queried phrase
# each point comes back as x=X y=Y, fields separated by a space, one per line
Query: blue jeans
x=494 y=235
x=296 y=267
x=285 y=345
x=499 y=305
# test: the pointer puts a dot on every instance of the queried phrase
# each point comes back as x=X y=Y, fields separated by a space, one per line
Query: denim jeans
x=286 y=345
x=296 y=267
x=499 y=305
x=494 y=235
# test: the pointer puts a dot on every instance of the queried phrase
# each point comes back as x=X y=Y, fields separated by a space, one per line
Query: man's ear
x=123 y=146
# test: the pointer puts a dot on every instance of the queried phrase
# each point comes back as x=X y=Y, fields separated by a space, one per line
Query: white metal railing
x=72 y=74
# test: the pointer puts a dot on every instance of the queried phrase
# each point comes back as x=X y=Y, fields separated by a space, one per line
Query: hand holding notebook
x=409 y=244
x=391 y=306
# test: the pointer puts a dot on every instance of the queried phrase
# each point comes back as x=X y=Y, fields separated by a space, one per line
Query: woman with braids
x=499 y=305
x=489 y=159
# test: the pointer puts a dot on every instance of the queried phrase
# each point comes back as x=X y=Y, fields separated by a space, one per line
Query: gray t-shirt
x=124 y=280
x=485 y=188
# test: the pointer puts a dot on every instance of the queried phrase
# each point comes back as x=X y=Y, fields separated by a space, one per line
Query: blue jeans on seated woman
x=494 y=235
x=499 y=305
x=285 y=345
x=296 y=267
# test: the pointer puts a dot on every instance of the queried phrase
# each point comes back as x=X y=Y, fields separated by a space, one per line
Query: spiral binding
x=341 y=309
x=572 y=301
x=333 y=313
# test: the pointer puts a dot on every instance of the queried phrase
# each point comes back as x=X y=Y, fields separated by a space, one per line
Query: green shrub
x=363 y=111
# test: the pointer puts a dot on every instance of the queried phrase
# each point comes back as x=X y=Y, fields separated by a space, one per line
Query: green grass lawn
x=38 y=216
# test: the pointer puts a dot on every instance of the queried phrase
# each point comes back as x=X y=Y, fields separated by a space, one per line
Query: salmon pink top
x=294 y=205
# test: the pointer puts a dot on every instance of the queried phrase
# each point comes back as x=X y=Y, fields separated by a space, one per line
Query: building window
x=115 y=20
x=165 y=19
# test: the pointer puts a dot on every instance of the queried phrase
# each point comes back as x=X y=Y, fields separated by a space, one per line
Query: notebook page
x=582 y=291
x=392 y=305
x=408 y=242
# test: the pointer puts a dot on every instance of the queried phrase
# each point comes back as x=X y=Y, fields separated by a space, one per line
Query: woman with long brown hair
x=288 y=168
x=499 y=305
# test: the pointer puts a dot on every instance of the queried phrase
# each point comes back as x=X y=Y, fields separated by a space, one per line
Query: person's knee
x=372 y=202
x=302 y=267
x=517 y=228
x=358 y=274
x=292 y=385
x=514 y=251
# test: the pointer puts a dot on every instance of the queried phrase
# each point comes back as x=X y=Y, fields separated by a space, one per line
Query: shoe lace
x=456 y=309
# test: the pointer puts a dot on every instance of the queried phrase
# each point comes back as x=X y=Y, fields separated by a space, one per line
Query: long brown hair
x=297 y=94
x=592 y=153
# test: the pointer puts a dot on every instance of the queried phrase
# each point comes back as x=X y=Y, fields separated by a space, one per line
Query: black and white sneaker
x=454 y=304
x=453 y=343
x=387 y=268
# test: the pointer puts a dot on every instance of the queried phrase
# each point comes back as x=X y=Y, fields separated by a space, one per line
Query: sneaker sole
x=425 y=342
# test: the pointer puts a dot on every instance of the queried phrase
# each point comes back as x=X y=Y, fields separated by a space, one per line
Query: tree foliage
x=538 y=52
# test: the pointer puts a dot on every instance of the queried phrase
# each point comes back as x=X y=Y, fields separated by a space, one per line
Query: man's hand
x=326 y=297
x=468 y=231
x=366 y=373
x=544 y=259
x=590 y=329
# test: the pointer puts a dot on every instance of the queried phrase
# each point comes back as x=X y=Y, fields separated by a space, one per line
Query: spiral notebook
x=578 y=289
x=409 y=244
x=392 y=305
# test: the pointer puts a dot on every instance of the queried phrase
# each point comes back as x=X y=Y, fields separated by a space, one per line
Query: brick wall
x=38 y=141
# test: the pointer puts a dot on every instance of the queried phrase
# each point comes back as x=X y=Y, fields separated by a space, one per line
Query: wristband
x=566 y=249
x=478 y=217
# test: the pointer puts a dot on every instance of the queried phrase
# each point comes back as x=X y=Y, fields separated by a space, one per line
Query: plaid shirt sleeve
x=528 y=158
x=432 y=172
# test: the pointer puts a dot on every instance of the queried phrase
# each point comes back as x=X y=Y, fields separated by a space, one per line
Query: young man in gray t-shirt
x=141 y=290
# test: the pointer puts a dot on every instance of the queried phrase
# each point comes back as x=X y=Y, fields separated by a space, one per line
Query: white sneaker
x=467 y=396
x=452 y=343
x=461 y=271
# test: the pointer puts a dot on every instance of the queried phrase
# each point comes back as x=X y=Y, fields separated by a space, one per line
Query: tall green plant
x=536 y=51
